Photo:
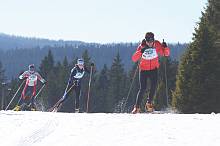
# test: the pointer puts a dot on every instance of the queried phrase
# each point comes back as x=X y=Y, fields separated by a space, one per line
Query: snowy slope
x=69 y=129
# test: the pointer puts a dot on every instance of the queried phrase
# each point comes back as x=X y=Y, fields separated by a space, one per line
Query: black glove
x=21 y=72
x=44 y=82
x=92 y=64
x=164 y=44
x=143 y=43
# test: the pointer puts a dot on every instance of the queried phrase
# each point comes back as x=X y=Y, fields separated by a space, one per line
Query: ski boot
x=16 y=108
x=149 y=107
x=136 y=110
x=33 y=109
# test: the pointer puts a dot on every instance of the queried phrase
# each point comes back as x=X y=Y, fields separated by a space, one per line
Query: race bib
x=149 y=54
x=79 y=75
x=32 y=78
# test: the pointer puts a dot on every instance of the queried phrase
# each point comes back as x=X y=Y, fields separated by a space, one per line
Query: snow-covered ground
x=69 y=129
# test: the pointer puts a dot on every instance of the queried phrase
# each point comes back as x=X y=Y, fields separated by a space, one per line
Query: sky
x=101 y=21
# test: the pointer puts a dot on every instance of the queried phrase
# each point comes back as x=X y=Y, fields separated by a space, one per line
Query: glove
x=143 y=43
x=21 y=73
x=92 y=64
x=70 y=82
x=164 y=44
x=44 y=82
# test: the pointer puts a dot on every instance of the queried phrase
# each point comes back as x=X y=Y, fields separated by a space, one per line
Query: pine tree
x=117 y=85
x=49 y=74
x=2 y=76
x=47 y=64
x=2 y=79
x=161 y=98
x=198 y=80
x=101 y=91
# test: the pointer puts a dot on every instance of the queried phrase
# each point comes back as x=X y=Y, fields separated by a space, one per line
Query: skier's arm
x=137 y=55
x=23 y=75
x=72 y=74
x=40 y=78
x=163 y=50
x=166 y=50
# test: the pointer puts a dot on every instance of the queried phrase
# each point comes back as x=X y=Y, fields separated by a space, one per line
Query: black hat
x=149 y=37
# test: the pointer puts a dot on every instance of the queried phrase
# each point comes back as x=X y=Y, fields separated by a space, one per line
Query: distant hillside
x=12 y=42
x=15 y=58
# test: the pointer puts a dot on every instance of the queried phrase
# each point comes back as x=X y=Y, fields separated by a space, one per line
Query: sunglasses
x=149 y=40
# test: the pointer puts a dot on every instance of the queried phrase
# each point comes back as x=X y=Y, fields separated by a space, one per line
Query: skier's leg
x=24 y=106
x=77 y=99
x=28 y=98
x=142 y=90
x=153 y=81
x=33 y=102
x=33 y=106
x=20 y=104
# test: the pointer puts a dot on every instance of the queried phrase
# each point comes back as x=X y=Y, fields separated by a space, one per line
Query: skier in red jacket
x=27 y=101
x=148 y=53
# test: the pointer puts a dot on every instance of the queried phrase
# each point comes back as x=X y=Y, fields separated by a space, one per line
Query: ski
x=55 y=108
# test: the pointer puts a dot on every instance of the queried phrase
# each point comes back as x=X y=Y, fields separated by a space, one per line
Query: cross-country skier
x=74 y=82
x=27 y=97
x=148 y=53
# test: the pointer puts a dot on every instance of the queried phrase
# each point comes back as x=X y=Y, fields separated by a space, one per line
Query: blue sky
x=101 y=21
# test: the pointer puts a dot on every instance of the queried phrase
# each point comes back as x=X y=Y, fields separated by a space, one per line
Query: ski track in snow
x=39 y=134
x=82 y=129
x=31 y=130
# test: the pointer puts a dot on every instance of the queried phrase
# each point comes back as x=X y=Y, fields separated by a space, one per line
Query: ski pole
x=90 y=79
x=15 y=94
x=59 y=101
x=165 y=68
x=165 y=73
x=130 y=87
x=67 y=90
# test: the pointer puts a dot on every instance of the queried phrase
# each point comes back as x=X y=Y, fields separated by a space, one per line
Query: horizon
x=29 y=37
x=98 y=21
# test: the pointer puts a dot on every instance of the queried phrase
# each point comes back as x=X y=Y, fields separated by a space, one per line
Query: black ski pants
x=152 y=75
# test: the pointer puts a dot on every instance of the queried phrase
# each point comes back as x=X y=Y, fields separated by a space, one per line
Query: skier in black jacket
x=74 y=82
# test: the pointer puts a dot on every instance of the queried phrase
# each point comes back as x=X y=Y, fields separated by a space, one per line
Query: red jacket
x=150 y=57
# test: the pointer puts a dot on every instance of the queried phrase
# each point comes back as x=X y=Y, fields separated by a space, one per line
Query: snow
x=81 y=129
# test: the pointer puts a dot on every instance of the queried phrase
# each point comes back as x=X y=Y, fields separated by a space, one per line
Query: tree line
x=109 y=86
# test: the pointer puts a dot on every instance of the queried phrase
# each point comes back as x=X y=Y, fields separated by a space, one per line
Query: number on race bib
x=149 y=54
